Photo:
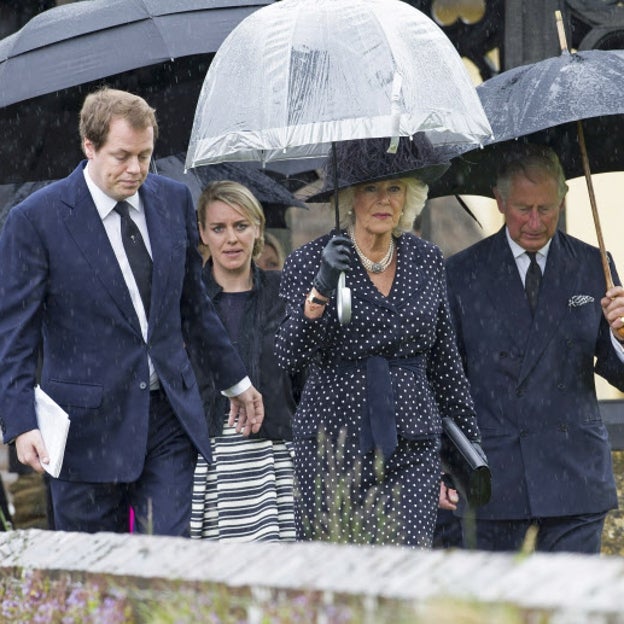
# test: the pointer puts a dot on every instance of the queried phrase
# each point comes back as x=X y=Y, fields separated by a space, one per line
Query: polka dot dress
x=412 y=322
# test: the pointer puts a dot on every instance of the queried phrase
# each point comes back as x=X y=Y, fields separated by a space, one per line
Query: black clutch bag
x=466 y=464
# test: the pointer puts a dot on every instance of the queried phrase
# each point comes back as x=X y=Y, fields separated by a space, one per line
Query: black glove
x=335 y=259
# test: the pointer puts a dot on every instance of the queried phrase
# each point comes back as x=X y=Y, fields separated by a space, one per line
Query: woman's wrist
x=315 y=304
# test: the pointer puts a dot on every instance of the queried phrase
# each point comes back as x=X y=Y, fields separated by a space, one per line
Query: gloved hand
x=335 y=259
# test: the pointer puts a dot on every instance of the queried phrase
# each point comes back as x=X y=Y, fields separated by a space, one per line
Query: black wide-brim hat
x=368 y=160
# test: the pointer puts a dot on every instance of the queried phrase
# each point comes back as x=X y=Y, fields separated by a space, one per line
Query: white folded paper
x=53 y=422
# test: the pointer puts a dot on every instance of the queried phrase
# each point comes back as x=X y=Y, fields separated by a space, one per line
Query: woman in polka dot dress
x=367 y=429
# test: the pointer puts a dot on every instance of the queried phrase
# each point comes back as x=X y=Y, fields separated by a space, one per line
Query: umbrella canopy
x=541 y=103
x=299 y=75
x=274 y=197
x=69 y=51
x=83 y=41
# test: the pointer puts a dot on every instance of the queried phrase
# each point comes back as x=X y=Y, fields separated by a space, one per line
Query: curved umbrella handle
x=343 y=301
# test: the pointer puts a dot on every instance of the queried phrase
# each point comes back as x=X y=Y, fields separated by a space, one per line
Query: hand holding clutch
x=465 y=462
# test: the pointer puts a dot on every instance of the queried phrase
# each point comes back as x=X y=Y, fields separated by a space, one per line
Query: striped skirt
x=246 y=493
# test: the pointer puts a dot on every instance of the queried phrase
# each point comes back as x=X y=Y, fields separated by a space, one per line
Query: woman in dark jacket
x=246 y=493
x=376 y=388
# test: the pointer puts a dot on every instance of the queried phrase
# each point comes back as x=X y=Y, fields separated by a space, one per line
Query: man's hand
x=247 y=411
x=31 y=450
x=448 y=497
x=613 y=309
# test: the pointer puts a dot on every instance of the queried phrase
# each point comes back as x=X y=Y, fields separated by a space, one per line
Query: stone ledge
x=563 y=584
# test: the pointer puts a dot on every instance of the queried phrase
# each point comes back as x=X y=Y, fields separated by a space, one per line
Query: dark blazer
x=532 y=380
x=262 y=316
x=62 y=286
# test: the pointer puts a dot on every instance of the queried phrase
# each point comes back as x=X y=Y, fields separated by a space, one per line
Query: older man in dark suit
x=100 y=270
x=533 y=324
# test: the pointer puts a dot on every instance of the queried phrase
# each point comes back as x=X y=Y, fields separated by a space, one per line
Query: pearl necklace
x=369 y=265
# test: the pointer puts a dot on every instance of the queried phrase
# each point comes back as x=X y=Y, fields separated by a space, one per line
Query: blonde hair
x=238 y=197
x=415 y=198
x=272 y=241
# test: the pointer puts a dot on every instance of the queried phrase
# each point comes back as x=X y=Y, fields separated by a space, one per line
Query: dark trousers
x=577 y=534
x=160 y=497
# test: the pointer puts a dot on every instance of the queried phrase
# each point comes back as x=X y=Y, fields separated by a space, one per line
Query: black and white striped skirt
x=246 y=493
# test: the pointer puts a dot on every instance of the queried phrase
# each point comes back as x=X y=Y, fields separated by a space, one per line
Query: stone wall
x=435 y=587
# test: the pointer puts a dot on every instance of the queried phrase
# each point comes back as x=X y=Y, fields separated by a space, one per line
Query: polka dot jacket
x=413 y=322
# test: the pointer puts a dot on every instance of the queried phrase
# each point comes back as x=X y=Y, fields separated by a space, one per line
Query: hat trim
x=427 y=175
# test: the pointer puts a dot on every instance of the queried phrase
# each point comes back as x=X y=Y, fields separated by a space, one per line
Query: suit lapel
x=159 y=227
x=559 y=283
x=86 y=229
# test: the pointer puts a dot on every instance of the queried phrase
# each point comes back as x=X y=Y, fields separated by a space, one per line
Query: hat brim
x=426 y=174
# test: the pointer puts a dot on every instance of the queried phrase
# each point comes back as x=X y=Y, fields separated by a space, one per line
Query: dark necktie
x=138 y=256
x=532 y=281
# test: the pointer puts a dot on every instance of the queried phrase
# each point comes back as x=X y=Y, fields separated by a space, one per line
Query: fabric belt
x=379 y=427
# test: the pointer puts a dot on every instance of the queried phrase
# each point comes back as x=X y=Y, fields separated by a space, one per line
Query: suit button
x=503 y=355
x=560 y=386
x=563 y=427
x=519 y=392
x=524 y=433
x=142 y=385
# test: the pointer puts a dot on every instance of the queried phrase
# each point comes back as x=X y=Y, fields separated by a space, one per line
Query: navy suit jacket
x=532 y=380
x=62 y=292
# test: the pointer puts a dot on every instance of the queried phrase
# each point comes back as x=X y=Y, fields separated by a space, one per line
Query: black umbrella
x=59 y=56
x=541 y=103
x=40 y=136
x=273 y=196
x=83 y=41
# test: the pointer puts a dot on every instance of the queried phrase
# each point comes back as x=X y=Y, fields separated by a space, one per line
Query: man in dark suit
x=532 y=371
x=113 y=294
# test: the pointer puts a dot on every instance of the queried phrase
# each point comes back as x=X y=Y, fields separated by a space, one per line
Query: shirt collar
x=517 y=250
x=103 y=202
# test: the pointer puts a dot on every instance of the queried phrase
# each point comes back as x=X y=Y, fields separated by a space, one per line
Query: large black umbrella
x=273 y=196
x=83 y=41
x=59 y=56
x=541 y=103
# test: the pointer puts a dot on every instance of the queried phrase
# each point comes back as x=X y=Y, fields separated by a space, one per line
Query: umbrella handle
x=343 y=301
x=592 y=200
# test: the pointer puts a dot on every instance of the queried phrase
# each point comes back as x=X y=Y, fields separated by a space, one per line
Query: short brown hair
x=104 y=105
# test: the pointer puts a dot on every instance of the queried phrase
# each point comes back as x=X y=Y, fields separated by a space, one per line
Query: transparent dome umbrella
x=297 y=76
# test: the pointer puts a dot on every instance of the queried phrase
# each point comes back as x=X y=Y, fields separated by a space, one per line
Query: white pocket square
x=579 y=300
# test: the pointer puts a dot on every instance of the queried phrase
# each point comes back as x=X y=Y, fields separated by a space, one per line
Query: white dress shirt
x=112 y=224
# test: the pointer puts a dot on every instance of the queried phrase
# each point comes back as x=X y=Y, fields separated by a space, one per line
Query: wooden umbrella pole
x=592 y=200
x=606 y=268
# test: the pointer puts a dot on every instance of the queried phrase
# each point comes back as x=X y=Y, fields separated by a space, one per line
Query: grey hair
x=415 y=198
x=527 y=159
